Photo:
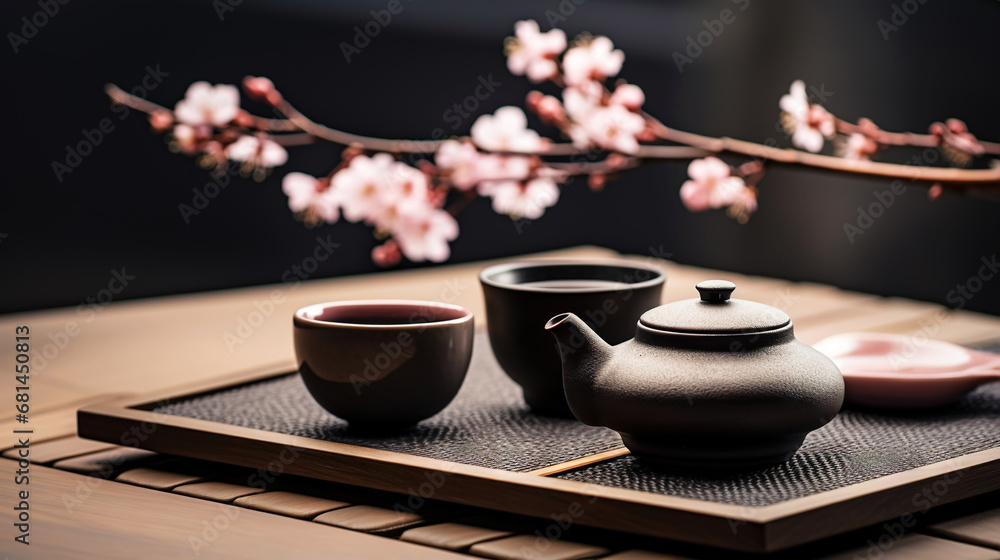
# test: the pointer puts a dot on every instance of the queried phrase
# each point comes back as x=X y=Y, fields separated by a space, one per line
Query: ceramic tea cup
x=522 y=296
x=383 y=364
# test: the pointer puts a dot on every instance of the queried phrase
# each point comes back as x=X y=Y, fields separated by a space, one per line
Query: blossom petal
x=709 y=168
x=808 y=139
x=273 y=154
x=694 y=195
x=300 y=189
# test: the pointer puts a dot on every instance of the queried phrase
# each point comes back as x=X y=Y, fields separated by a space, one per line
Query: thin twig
x=694 y=146
x=948 y=176
x=907 y=138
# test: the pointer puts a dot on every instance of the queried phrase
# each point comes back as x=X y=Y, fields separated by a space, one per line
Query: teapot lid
x=715 y=313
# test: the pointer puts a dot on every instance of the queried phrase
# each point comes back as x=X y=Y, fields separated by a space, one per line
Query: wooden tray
x=848 y=475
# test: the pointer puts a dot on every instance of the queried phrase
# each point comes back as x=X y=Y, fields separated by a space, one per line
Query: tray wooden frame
x=131 y=421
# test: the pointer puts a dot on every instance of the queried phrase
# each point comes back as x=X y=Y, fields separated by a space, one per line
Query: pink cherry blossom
x=524 y=200
x=629 y=96
x=369 y=186
x=613 y=128
x=461 y=161
x=257 y=153
x=534 y=53
x=406 y=183
x=406 y=192
x=580 y=102
x=311 y=196
x=596 y=60
x=506 y=131
x=186 y=138
x=204 y=104
x=809 y=124
x=746 y=201
x=493 y=167
x=360 y=186
x=547 y=107
x=711 y=186
x=858 y=147
x=423 y=233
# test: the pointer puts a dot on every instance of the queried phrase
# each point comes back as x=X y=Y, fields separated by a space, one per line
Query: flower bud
x=161 y=121
x=629 y=96
x=956 y=126
x=257 y=87
x=387 y=254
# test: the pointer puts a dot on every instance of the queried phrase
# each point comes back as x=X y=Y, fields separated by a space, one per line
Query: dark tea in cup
x=383 y=364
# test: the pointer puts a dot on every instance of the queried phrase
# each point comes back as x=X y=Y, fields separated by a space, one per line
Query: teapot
x=711 y=382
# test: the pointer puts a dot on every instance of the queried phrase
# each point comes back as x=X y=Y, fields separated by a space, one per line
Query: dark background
x=119 y=207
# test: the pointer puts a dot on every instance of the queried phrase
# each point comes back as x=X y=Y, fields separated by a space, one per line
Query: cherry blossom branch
x=296 y=121
x=957 y=178
x=520 y=171
x=122 y=97
x=694 y=146
x=399 y=146
x=300 y=139
x=903 y=138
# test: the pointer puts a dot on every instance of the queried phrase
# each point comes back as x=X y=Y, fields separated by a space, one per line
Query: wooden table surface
x=83 y=354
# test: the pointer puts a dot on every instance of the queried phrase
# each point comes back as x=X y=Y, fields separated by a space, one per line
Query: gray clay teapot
x=709 y=382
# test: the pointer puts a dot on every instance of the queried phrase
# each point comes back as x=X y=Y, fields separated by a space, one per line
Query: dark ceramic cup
x=522 y=297
x=383 y=364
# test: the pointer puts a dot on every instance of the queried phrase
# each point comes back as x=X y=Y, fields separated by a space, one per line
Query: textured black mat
x=486 y=425
x=855 y=447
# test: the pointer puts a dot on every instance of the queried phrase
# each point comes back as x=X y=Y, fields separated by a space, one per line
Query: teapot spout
x=584 y=355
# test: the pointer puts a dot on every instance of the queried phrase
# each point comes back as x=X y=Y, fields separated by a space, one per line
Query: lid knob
x=715 y=291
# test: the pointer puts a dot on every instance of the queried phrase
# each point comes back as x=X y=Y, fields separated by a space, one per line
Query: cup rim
x=485 y=275
x=302 y=315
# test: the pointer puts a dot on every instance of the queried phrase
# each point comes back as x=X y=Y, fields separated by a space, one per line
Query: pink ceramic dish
x=896 y=371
